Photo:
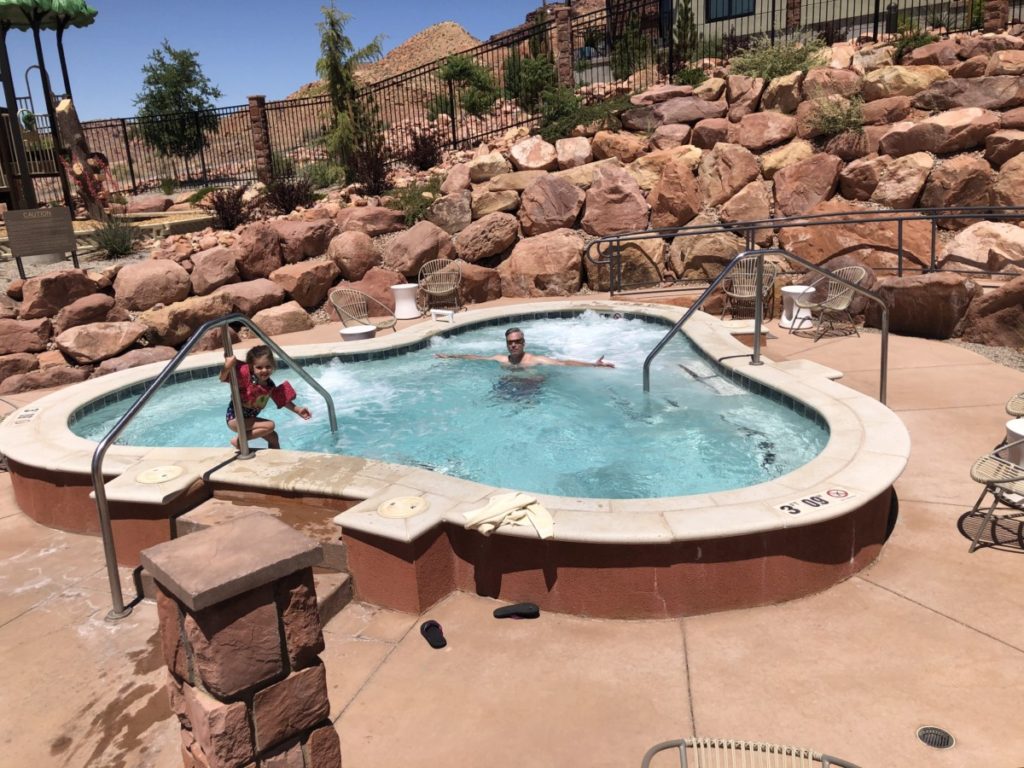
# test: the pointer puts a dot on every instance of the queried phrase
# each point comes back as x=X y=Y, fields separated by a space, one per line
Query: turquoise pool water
x=587 y=432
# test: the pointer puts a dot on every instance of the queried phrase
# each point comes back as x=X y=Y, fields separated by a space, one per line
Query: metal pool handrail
x=759 y=299
x=119 y=610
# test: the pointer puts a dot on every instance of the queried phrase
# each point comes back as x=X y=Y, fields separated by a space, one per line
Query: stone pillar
x=563 y=47
x=996 y=15
x=241 y=638
x=793 y=14
x=261 y=138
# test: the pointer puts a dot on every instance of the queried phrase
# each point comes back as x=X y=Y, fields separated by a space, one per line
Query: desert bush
x=415 y=199
x=116 y=236
x=229 y=208
x=370 y=158
x=281 y=165
x=285 y=195
x=831 y=117
x=168 y=185
x=323 y=174
x=527 y=78
x=424 y=150
x=690 y=76
x=762 y=59
x=439 y=104
x=196 y=197
x=476 y=89
x=562 y=110
x=632 y=51
x=685 y=36
x=909 y=38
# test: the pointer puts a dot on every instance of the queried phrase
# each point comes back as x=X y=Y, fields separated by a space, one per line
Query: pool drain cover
x=403 y=506
x=161 y=474
x=935 y=737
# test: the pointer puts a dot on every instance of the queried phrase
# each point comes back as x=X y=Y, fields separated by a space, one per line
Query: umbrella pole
x=63 y=61
x=54 y=133
x=28 y=190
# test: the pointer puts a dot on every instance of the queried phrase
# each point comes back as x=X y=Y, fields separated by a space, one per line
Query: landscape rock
x=999 y=92
x=1008 y=188
x=827 y=81
x=1003 y=145
x=989 y=246
x=870 y=58
x=849 y=145
x=743 y=94
x=259 y=250
x=487 y=166
x=479 y=283
x=149 y=204
x=583 y=176
x=762 y=130
x=676 y=198
x=490 y=236
x=787 y=154
x=134 y=358
x=172 y=324
x=251 y=296
x=213 y=268
x=1006 y=63
x=901 y=179
x=783 y=93
x=886 y=111
x=900 y=81
x=573 y=152
x=17 y=363
x=308 y=281
x=57 y=376
x=801 y=186
x=973 y=67
x=962 y=180
x=546 y=265
x=689 y=109
x=624 y=146
x=46 y=294
x=641 y=119
x=549 y=203
x=659 y=93
x=377 y=283
x=456 y=180
x=486 y=201
x=929 y=306
x=641 y=262
x=614 y=203
x=516 y=181
x=533 y=154
x=942 y=53
x=411 y=249
x=987 y=44
x=452 y=213
x=671 y=136
x=302 y=240
x=88 y=309
x=647 y=169
x=995 y=318
x=287 y=318
x=98 y=341
x=724 y=171
x=702 y=257
x=752 y=203
x=354 y=254
x=1012 y=118
x=951 y=131
x=373 y=220
x=711 y=89
x=712 y=131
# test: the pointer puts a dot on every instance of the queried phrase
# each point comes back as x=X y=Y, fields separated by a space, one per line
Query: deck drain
x=161 y=474
x=403 y=506
x=935 y=737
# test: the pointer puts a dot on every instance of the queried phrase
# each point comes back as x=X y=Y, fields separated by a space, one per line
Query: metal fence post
x=128 y=154
x=451 y=113
x=874 y=20
x=202 y=155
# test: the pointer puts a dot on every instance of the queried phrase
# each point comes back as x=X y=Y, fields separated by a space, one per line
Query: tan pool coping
x=867 y=450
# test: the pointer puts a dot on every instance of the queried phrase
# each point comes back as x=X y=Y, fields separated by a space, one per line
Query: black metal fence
x=629 y=41
x=297 y=128
x=136 y=165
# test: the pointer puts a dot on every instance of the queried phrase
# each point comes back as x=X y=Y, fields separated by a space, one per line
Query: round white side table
x=793 y=316
x=1015 y=431
x=405 y=301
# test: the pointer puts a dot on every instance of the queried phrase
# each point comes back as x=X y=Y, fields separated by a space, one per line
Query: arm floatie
x=283 y=394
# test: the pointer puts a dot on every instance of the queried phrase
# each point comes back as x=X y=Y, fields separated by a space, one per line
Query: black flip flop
x=432 y=631
x=517 y=611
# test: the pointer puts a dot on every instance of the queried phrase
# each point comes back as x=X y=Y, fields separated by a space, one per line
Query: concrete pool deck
x=927 y=635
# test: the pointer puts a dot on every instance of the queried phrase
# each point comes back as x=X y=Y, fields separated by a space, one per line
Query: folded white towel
x=511 y=509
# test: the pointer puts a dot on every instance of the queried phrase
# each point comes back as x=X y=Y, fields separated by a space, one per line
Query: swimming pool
x=567 y=431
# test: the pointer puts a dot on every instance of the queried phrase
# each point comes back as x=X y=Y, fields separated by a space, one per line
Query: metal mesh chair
x=1004 y=480
x=740 y=287
x=1015 y=406
x=439 y=285
x=722 y=753
x=355 y=308
x=837 y=301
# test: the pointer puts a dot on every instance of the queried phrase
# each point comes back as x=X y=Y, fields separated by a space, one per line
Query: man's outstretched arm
x=599 y=363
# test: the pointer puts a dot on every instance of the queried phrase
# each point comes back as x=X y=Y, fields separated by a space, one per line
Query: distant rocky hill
x=422 y=48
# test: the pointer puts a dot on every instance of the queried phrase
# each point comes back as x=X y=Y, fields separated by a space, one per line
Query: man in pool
x=518 y=356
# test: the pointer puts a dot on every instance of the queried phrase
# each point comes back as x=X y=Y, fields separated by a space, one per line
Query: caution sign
x=818 y=500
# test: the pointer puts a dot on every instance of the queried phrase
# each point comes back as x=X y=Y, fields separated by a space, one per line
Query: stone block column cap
x=223 y=561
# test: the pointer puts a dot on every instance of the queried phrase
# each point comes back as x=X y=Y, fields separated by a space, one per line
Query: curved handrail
x=119 y=610
x=930 y=215
x=758 y=301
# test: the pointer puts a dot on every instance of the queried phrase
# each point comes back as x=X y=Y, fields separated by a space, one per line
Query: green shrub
x=831 y=117
x=370 y=158
x=285 y=195
x=632 y=51
x=908 y=39
x=685 y=35
x=323 y=174
x=690 y=76
x=477 y=101
x=196 y=197
x=562 y=110
x=415 y=199
x=228 y=207
x=526 y=79
x=477 y=92
x=281 y=165
x=116 y=236
x=168 y=185
x=425 y=149
x=762 y=59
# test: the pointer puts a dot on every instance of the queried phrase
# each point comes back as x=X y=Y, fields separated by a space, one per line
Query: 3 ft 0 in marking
x=815 y=501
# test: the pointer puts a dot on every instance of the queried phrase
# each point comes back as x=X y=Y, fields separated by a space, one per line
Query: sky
x=255 y=47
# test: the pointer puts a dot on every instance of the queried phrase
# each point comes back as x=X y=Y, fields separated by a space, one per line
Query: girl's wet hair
x=257 y=353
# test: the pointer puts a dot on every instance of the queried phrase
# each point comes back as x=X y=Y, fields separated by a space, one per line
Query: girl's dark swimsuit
x=255 y=395
x=247 y=413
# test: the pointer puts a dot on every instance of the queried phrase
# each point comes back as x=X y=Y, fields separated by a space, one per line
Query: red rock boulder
x=492 y=235
x=997 y=317
x=145 y=284
x=308 y=281
x=929 y=306
x=98 y=341
x=411 y=249
x=547 y=204
x=614 y=203
x=47 y=294
x=24 y=335
x=251 y=296
x=545 y=265
x=302 y=240
x=88 y=309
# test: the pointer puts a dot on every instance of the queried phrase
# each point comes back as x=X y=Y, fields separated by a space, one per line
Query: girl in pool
x=257 y=388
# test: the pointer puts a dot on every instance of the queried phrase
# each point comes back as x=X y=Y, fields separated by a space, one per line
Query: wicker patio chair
x=1004 y=480
x=356 y=308
x=740 y=287
x=837 y=301
x=439 y=285
x=1015 y=406
x=705 y=753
